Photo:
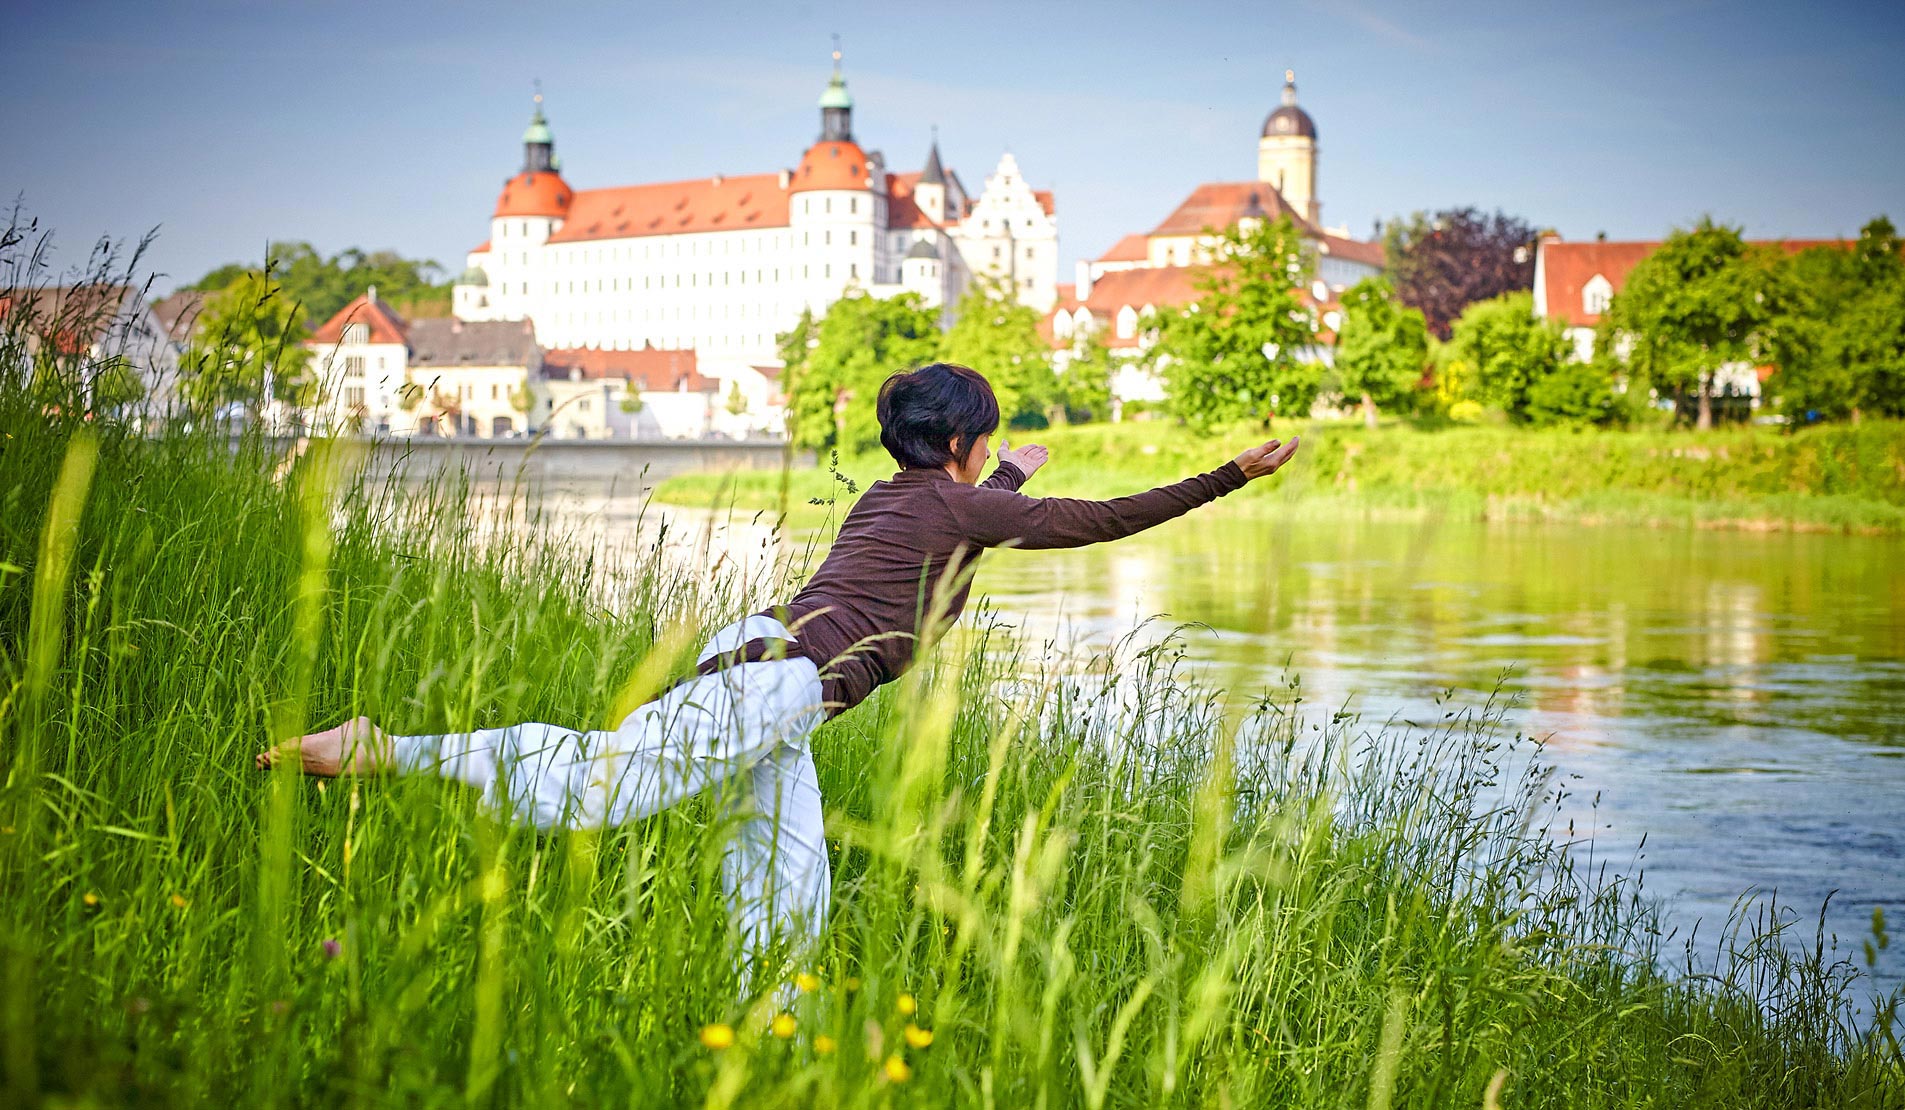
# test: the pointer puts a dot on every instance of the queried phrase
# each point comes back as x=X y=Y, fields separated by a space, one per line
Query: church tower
x=1286 y=154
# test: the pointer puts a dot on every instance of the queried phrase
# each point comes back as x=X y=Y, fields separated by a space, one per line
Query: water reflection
x=1740 y=697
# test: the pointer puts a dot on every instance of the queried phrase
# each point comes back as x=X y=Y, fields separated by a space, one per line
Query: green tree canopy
x=322 y=286
x=996 y=335
x=1084 y=384
x=1504 y=350
x=1703 y=300
x=1840 y=339
x=834 y=377
x=1240 y=350
x=1381 y=347
x=249 y=344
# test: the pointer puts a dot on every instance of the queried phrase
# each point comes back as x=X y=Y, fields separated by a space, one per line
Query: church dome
x=472 y=276
x=532 y=193
x=1289 y=121
x=922 y=249
x=831 y=165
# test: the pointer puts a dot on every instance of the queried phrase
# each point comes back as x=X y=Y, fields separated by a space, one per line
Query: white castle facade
x=723 y=264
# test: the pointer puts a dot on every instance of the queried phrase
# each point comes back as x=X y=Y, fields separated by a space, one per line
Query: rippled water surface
x=1738 y=697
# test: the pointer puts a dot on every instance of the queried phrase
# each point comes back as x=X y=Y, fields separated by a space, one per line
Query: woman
x=763 y=684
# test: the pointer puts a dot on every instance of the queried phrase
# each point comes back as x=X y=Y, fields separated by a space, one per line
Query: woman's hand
x=1262 y=461
x=1028 y=458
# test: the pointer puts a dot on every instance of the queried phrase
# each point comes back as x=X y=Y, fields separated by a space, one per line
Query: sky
x=225 y=125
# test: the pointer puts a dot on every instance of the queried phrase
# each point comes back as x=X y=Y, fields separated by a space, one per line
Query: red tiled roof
x=1045 y=201
x=385 y=325
x=1355 y=250
x=69 y=317
x=902 y=211
x=1220 y=204
x=649 y=369
x=832 y=165
x=480 y=249
x=771 y=373
x=676 y=208
x=538 y=193
x=178 y=314
x=1566 y=268
x=1132 y=248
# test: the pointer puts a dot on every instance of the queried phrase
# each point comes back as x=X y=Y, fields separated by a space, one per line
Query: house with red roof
x=96 y=327
x=722 y=264
x=1150 y=271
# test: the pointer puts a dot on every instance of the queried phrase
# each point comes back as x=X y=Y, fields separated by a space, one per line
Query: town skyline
x=1768 y=120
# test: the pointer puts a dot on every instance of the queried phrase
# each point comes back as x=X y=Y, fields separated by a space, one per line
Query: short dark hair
x=922 y=412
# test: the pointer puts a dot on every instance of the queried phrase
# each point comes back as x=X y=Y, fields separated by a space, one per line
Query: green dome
x=538 y=130
x=836 y=94
x=473 y=276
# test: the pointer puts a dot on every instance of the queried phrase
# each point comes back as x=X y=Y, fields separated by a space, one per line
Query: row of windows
x=807 y=205
x=695 y=281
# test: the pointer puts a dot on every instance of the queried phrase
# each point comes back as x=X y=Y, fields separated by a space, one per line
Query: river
x=1737 y=697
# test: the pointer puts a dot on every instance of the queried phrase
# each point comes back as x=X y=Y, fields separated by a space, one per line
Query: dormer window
x=1595 y=295
x=1127 y=322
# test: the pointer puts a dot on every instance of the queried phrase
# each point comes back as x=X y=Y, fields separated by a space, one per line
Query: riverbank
x=1041 y=895
x=1841 y=478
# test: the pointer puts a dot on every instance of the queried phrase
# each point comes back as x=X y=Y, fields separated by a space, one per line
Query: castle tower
x=837 y=203
x=532 y=206
x=1286 y=153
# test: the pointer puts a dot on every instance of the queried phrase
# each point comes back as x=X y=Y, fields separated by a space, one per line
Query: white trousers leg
x=743 y=729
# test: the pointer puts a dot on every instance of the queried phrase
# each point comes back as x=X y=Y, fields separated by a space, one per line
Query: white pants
x=743 y=730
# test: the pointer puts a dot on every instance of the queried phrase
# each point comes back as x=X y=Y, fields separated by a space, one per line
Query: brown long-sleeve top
x=906 y=549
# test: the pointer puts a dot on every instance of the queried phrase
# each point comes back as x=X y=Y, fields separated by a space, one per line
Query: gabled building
x=722 y=264
x=96 y=329
x=1154 y=270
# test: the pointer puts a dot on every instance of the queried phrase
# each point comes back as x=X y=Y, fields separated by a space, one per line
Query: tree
x=1381 y=347
x=1443 y=262
x=1507 y=350
x=1704 y=300
x=1234 y=352
x=322 y=285
x=1840 y=339
x=1084 y=385
x=1576 y=394
x=834 y=383
x=999 y=337
x=737 y=401
x=248 y=348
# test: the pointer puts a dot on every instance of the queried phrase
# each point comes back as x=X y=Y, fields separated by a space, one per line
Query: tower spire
x=836 y=107
x=539 y=143
x=1289 y=87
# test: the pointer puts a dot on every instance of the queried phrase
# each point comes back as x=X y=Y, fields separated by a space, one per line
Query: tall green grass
x=1058 y=882
x=1848 y=478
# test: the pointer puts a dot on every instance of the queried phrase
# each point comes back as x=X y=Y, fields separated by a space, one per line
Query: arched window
x=1127 y=322
x=1062 y=325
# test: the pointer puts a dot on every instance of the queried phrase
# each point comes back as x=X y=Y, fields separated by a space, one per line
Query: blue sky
x=227 y=124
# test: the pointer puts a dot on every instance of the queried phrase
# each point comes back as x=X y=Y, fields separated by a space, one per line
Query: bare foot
x=355 y=747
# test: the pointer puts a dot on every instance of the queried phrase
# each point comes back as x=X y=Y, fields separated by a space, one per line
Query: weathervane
x=836 y=52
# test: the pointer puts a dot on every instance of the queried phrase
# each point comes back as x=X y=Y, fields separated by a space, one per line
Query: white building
x=380 y=374
x=1148 y=271
x=722 y=264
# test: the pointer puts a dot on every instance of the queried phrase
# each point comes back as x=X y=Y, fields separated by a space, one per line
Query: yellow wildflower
x=91 y=900
x=783 y=1026
x=807 y=983
x=717 y=1036
x=178 y=900
x=896 y=1069
x=917 y=1037
x=907 y=1005
x=825 y=1045
x=853 y=982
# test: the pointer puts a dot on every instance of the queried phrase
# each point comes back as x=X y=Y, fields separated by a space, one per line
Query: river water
x=1737 y=697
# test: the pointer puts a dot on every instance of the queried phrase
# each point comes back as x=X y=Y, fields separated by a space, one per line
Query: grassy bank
x=1834 y=478
x=1072 y=888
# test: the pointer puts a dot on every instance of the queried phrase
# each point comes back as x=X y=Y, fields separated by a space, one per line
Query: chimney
x=717 y=181
x=371 y=294
x=786 y=176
